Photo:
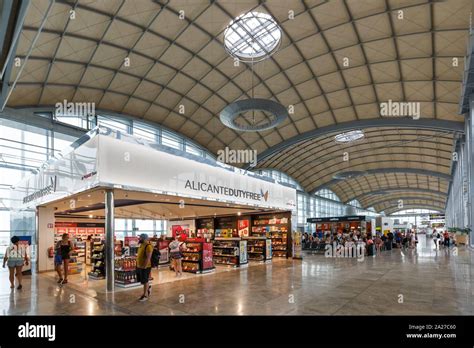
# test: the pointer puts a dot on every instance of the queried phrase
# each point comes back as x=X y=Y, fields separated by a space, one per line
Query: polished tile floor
x=412 y=282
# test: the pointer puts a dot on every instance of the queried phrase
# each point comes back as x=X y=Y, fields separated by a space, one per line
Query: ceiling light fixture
x=274 y=114
x=252 y=37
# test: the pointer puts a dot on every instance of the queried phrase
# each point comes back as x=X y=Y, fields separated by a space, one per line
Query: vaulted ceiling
x=400 y=50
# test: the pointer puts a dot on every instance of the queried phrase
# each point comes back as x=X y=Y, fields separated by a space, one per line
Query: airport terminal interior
x=281 y=157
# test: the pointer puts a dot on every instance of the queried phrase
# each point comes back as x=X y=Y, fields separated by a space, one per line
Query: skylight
x=348 y=137
x=252 y=36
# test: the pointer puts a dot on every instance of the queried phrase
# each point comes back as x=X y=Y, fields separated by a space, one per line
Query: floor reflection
x=431 y=281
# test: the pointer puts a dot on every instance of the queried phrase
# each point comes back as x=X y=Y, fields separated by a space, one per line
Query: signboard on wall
x=243 y=226
x=90 y=165
x=207 y=262
x=243 y=251
x=437 y=216
x=337 y=219
x=182 y=231
x=131 y=241
x=25 y=241
x=60 y=178
x=186 y=177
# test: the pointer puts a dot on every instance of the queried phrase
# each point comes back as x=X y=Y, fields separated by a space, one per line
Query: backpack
x=155 y=258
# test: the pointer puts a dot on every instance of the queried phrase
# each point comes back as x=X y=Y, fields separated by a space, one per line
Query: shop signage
x=88 y=175
x=207 y=262
x=243 y=228
x=104 y=160
x=164 y=251
x=42 y=192
x=131 y=241
x=143 y=168
x=336 y=219
x=79 y=224
x=225 y=191
x=437 y=216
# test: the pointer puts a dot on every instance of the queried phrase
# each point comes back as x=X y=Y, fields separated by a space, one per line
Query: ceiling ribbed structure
x=337 y=62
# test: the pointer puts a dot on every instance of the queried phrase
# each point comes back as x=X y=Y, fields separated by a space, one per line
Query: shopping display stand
x=230 y=251
x=97 y=260
x=275 y=227
x=197 y=258
x=126 y=272
x=77 y=255
x=259 y=249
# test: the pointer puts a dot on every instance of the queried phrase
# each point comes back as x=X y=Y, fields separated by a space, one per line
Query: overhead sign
x=42 y=192
x=437 y=216
x=128 y=164
x=337 y=219
x=224 y=190
x=125 y=162
x=59 y=178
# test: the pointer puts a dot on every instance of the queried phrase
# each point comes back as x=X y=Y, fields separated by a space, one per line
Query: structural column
x=45 y=237
x=109 y=239
x=470 y=165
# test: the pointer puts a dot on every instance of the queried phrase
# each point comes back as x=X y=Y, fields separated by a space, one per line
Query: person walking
x=446 y=238
x=436 y=238
x=144 y=253
x=58 y=262
x=413 y=241
x=15 y=257
x=64 y=249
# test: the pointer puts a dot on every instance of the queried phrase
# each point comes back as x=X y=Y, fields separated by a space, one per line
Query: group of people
x=372 y=244
x=17 y=255
x=346 y=238
x=444 y=239
x=398 y=239
x=329 y=238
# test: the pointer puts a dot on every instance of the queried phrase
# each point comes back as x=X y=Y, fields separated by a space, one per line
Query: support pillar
x=45 y=238
x=470 y=166
x=109 y=239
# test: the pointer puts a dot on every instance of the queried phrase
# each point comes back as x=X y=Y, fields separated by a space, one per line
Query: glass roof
x=251 y=36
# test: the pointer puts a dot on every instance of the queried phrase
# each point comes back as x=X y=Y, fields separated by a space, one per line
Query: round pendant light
x=276 y=114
